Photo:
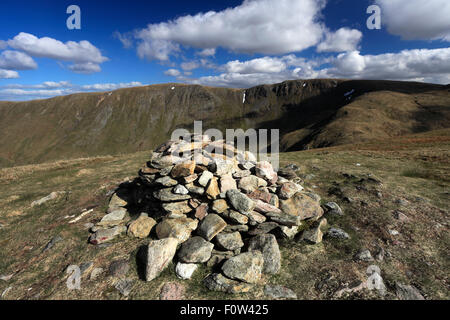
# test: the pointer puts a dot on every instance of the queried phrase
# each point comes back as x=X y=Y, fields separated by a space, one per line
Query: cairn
x=199 y=206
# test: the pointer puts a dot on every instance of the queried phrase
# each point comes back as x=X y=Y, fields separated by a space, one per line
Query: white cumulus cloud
x=8 y=74
x=85 y=67
x=207 y=52
x=86 y=58
x=417 y=19
x=124 y=38
x=255 y=26
x=427 y=65
x=260 y=65
x=15 y=60
x=344 y=39
x=188 y=66
x=172 y=73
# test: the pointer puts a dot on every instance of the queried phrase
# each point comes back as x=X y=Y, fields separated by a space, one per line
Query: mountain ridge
x=309 y=114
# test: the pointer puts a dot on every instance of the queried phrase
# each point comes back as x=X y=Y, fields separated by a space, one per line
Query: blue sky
x=218 y=43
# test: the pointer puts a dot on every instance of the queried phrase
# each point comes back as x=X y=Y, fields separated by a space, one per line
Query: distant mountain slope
x=309 y=114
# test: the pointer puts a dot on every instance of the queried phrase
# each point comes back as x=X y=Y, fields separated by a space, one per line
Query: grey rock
x=204 y=178
x=240 y=202
x=364 y=255
x=407 y=292
x=189 y=179
x=177 y=208
x=218 y=282
x=333 y=208
x=180 y=189
x=235 y=217
x=246 y=267
x=51 y=196
x=263 y=207
x=288 y=189
x=284 y=219
x=233 y=228
x=195 y=250
x=375 y=281
x=337 y=233
x=159 y=254
x=279 y=292
x=125 y=286
x=287 y=232
x=178 y=228
x=263 y=228
x=210 y=226
x=166 y=181
x=287 y=173
x=165 y=171
x=219 y=206
x=164 y=161
x=265 y=170
x=247 y=165
x=52 y=242
x=185 y=271
x=315 y=234
x=268 y=245
x=116 y=201
x=141 y=227
x=255 y=218
x=219 y=256
x=119 y=268
x=114 y=218
x=223 y=167
x=251 y=183
x=229 y=241
x=301 y=205
x=104 y=235
x=167 y=195
x=195 y=190
x=226 y=183
x=183 y=169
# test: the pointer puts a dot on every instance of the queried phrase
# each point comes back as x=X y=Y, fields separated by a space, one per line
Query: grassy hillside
x=410 y=174
x=309 y=114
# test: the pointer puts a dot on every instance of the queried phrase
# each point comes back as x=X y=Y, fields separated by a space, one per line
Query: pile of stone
x=199 y=206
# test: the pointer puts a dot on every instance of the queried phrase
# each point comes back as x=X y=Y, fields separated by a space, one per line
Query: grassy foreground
x=369 y=181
